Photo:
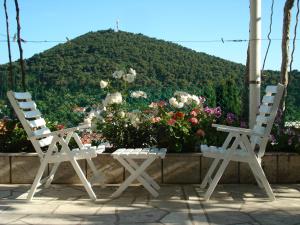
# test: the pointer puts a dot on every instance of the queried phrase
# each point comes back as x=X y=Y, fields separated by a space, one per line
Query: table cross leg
x=135 y=174
x=144 y=174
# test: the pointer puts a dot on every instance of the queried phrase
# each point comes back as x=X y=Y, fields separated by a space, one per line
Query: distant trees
x=162 y=68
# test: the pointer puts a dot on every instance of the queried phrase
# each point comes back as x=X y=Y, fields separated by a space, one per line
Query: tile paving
x=176 y=204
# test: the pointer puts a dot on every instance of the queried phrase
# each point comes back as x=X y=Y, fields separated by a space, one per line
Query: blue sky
x=172 y=20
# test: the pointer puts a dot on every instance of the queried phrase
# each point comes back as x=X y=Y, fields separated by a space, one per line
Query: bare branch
x=19 y=40
x=10 y=77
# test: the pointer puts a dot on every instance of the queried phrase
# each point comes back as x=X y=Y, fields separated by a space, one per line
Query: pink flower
x=200 y=133
x=208 y=110
x=161 y=103
x=218 y=111
x=193 y=113
x=193 y=120
x=171 y=122
x=155 y=119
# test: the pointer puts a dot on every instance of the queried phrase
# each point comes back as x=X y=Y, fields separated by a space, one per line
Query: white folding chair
x=52 y=147
x=245 y=145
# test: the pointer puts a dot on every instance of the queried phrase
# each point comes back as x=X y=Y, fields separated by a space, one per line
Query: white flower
x=132 y=71
x=118 y=74
x=138 y=94
x=87 y=121
x=115 y=98
x=129 y=77
x=134 y=118
x=122 y=114
x=183 y=98
x=103 y=84
x=180 y=105
x=173 y=101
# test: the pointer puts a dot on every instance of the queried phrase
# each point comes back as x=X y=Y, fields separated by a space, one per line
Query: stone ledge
x=279 y=167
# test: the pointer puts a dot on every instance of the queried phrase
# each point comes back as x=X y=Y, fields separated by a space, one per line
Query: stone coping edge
x=171 y=153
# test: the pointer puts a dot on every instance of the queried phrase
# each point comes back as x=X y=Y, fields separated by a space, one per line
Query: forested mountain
x=68 y=75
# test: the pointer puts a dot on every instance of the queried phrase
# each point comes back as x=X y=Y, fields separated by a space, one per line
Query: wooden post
x=255 y=60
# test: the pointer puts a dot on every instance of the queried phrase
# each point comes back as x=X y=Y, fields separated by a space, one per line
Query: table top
x=140 y=152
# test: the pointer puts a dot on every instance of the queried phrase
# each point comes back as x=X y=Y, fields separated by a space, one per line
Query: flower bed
x=127 y=118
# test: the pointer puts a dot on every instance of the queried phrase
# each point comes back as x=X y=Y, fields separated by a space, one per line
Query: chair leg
x=257 y=167
x=37 y=179
x=83 y=179
x=97 y=176
x=51 y=175
x=216 y=179
x=209 y=173
x=256 y=176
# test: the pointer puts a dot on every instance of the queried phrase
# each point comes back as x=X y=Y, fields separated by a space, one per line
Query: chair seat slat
x=268 y=99
x=44 y=130
x=32 y=114
x=37 y=123
x=22 y=95
x=27 y=105
x=271 y=89
x=265 y=109
x=262 y=119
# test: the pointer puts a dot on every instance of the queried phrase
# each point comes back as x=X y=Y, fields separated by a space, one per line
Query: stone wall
x=18 y=168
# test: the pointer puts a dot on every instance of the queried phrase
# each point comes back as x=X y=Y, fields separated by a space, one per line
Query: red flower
x=200 y=133
x=193 y=120
x=171 y=122
x=178 y=115
x=60 y=126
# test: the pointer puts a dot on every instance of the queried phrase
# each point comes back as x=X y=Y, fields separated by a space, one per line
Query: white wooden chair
x=52 y=147
x=244 y=145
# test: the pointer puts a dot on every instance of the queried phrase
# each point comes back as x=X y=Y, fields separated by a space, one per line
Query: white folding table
x=127 y=158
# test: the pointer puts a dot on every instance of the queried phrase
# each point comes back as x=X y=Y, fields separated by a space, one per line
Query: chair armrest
x=239 y=130
x=60 y=132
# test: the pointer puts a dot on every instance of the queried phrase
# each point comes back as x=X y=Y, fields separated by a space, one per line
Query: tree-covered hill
x=68 y=74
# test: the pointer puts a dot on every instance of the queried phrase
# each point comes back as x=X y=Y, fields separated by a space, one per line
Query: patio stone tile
x=66 y=174
x=287 y=165
x=109 y=167
x=52 y=219
x=230 y=175
x=25 y=207
x=181 y=168
x=154 y=170
x=24 y=169
x=139 y=215
x=5 y=170
x=274 y=217
x=177 y=218
x=269 y=165
x=107 y=219
x=11 y=218
x=78 y=209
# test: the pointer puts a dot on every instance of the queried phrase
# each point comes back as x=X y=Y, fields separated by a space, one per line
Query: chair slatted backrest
x=30 y=118
x=265 y=119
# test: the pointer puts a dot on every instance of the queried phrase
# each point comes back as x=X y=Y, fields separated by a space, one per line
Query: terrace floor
x=176 y=204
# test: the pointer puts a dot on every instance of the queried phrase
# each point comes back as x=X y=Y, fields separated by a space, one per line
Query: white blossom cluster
x=128 y=77
x=295 y=124
x=181 y=98
x=138 y=94
x=114 y=98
